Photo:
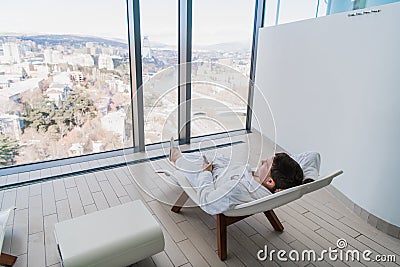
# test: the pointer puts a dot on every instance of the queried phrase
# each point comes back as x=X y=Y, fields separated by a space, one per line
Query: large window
x=285 y=11
x=222 y=39
x=64 y=79
x=271 y=11
x=336 y=6
x=159 y=29
x=66 y=70
x=294 y=10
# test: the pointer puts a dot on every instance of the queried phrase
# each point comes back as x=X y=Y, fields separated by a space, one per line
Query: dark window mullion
x=258 y=23
x=135 y=53
x=184 y=72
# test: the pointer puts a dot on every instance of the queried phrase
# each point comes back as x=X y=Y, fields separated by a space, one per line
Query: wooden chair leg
x=180 y=202
x=7 y=260
x=273 y=219
x=221 y=236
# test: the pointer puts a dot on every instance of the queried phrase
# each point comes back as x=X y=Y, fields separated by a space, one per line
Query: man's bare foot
x=174 y=152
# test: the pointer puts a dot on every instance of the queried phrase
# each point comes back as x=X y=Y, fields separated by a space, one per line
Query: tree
x=40 y=117
x=63 y=118
x=81 y=106
x=75 y=111
x=9 y=148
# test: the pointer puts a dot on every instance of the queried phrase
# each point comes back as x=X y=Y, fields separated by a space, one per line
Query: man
x=221 y=184
x=279 y=172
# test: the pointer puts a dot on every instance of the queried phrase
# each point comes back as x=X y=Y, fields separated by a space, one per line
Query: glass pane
x=159 y=29
x=270 y=12
x=64 y=79
x=295 y=10
x=222 y=39
x=371 y=3
x=337 y=6
x=322 y=8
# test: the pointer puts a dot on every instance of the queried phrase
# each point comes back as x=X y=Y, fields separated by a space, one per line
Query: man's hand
x=207 y=166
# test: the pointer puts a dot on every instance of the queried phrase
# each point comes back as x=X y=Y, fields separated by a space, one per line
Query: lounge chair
x=239 y=212
x=5 y=259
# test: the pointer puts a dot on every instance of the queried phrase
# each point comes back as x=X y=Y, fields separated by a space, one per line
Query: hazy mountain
x=55 y=39
x=230 y=46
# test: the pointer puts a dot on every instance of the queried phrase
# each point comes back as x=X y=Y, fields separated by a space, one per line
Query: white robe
x=231 y=183
x=228 y=185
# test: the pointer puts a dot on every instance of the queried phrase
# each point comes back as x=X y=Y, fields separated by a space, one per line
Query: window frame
x=185 y=15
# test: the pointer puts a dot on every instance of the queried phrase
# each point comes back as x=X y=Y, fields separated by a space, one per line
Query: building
x=77 y=76
x=115 y=122
x=48 y=56
x=105 y=62
x=10 y=125
x=4 y=83
x=146 y=53
x=97 y=146
x=11 y=53
x=117 y=85
x=84 y=60
x=53 y=56
x=76 y=149
x=13 y=92
x=63 y=78
x=57 y=93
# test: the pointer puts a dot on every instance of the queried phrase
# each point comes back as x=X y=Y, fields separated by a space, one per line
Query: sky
x=214 y=21
x=107 y=18
x=104 y=18
x=218 y=21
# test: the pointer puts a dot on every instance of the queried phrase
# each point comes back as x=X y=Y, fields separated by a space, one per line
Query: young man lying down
x=222 y=184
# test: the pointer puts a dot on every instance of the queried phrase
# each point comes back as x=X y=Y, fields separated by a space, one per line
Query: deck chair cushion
x=310 y=163
x=281 y=198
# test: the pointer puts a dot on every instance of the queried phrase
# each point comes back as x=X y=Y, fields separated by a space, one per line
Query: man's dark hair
x=286 y=172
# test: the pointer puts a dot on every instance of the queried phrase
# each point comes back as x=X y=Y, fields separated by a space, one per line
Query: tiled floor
x=316 y=221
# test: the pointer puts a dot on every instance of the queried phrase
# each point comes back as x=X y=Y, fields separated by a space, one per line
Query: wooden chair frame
x=224 y=221
x=7 y=260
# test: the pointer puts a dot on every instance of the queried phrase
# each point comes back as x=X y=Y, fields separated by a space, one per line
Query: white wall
x=333 y=84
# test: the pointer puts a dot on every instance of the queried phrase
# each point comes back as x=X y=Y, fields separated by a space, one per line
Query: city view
x=65 y=87
x=62 y=96
x=66 y=95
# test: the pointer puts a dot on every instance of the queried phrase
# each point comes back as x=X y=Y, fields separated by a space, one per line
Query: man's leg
x=174 y=154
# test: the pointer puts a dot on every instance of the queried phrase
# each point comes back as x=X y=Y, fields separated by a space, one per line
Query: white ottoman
x=118 y=236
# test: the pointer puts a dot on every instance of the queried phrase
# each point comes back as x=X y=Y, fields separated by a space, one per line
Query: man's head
x=280 y=172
